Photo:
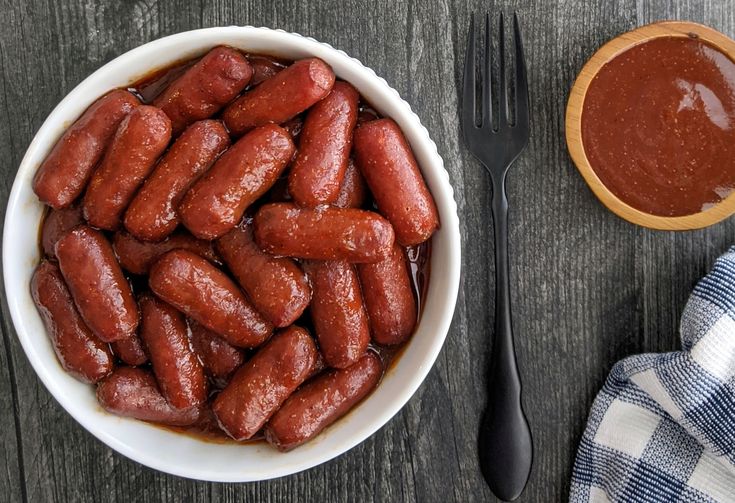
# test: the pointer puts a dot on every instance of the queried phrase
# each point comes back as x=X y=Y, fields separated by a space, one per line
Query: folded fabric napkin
x=663 y=426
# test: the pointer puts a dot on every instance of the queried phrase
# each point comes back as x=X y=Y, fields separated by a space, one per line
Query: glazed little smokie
x=217 y=202
x=177 y=368
x=323 y=233
x=276 y=285
x=259 y=388
x=281 y=97
x=206 y=294
x=80 y=352
x=205 y=87
x=100 y=291
x=64 y=174
x=322 y=401
x=134 y=392
x=231 y=210
x=388 y=297
x=154 y=212
x=141 y=138
x=385 y=159
x=324 y=148
x=264 y=67
x=338 y=312
x=352 y=192
x=130 y=350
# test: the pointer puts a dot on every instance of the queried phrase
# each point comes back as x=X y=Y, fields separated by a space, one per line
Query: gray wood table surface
x=588 y=288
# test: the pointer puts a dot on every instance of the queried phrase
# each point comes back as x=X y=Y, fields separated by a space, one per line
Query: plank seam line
x=11 y=366
x=16 y=416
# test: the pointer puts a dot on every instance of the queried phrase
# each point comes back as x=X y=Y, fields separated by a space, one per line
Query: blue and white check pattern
x=663 y=426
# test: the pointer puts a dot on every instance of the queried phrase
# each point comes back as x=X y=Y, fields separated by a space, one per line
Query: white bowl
x=181 y=454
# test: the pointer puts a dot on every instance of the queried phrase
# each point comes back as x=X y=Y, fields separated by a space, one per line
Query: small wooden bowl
x=610 y=50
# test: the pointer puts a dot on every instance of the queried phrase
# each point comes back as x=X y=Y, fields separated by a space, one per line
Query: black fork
x=505 y=444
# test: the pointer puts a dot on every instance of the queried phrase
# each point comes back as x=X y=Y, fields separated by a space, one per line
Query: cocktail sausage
x=130 y=350
x=276 y=286
x=64 y=173
x=204 y=293
x=352 y=192
x=386 y=161
x=324 y=148
x=219 y=357
x=205 y=88
x=142 y=136
x=281 y=97
x=264 y=382
x=80 y=352
x=389 y=300
x=217 y=202
x=56 y=224
x=338 y=312
x=322 y=401
x=263 y=68
x=133 y=392
x=153 y=213
x=179 y=372
x=323 y=233
x=137 y=256
x=96 y=282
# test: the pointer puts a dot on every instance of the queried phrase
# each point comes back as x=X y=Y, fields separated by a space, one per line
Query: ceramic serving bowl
x=575 y=106
x=177 y=453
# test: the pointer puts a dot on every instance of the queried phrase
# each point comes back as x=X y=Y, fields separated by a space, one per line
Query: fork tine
x=521 y=82
x=502 y=102
x=487 y=86
x=468 y=96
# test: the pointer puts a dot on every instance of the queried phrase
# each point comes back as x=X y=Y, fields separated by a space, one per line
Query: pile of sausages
x=234 y=231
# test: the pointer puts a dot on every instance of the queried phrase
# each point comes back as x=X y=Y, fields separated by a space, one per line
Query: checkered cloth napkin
x=663 y=426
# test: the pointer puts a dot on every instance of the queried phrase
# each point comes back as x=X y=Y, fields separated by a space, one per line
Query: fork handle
x=505 y=445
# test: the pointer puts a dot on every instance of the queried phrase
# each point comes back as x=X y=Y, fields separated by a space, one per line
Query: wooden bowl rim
x=573 y=123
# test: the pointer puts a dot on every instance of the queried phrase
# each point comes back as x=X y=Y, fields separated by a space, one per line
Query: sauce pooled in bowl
x=658 y=126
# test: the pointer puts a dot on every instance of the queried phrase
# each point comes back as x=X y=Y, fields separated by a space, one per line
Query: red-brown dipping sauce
x=658 y=126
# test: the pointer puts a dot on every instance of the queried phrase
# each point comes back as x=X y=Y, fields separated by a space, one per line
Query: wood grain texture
x=589 y=288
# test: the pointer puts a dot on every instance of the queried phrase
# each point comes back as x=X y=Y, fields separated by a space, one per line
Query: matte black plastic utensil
x=505 y=445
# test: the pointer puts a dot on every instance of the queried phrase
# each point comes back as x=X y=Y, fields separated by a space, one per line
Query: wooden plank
x=574 y=298
x=589 y=288
x=12 y=480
